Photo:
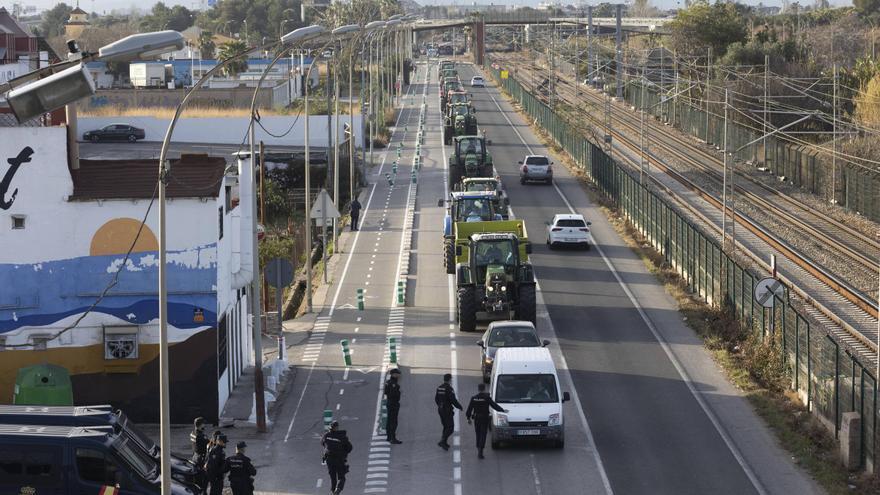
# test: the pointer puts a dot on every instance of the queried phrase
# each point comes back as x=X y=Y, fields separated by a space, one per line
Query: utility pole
x=766 y=77
x=590 y=39
x=834 y=143
x=675 y=94
x=724 y=180
x=619 y=53
x=335 y=142
x=577 y=62
x=708 y=79
x=642 y=129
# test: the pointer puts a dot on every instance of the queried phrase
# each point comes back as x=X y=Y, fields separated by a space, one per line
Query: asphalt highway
x=651 y=413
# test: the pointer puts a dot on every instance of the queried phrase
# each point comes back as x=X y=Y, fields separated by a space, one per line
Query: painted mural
x=58 y=256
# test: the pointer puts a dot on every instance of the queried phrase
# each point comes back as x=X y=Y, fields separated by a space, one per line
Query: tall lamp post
x=67 y=86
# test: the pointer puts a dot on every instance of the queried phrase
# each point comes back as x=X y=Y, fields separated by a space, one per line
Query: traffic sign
x=278 y=271
x=766 y=289
x=324 y=207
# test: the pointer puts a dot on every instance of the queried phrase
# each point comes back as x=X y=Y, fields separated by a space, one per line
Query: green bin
x=43 y=385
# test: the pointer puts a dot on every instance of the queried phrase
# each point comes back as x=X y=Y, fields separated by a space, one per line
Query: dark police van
x=75 y=460
x=182 y=469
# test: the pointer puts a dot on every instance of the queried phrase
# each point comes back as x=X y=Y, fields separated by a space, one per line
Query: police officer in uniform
x=478 y=411
x=392 y=403
x=337 y=446
x=240 y=471
x=200 y=450
x=445 y=400
x=215 y=463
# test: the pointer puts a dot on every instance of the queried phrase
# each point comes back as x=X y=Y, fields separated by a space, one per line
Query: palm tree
x=229 y=50
x=206 y=44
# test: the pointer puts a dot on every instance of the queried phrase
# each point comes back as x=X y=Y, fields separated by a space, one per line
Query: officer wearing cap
x=215 y=463
x=241 y=471
x=392 y=404
x=200 y=449
x=337 y=446
x=445 y=399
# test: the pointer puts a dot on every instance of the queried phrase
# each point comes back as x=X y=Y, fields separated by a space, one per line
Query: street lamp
x=30 y=99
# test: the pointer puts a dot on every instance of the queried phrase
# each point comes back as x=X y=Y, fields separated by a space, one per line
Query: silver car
x=506 y=333
x=536 y=168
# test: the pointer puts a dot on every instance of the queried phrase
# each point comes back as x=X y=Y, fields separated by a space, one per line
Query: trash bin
x=43 y=385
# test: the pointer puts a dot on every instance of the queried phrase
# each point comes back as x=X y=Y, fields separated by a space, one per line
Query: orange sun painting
x=116 y=236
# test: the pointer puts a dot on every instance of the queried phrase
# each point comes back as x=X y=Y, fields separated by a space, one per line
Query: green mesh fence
x=829 y=379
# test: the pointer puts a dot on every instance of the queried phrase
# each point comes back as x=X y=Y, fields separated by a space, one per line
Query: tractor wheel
x=526 y=310
x=467 y=309
x=454 y=176
x=449 y=256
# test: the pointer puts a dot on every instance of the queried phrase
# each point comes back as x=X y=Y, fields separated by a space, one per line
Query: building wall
x=55 y=268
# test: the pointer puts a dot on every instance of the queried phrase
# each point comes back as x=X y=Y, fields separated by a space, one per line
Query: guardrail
x=827 y=376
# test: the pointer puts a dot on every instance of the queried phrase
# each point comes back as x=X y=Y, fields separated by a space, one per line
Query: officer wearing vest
x=215 y=463
x=337 y=446
x=392 y=404
x=478 y=411
x=445 y=400
x=200 y=450
x=241 y=471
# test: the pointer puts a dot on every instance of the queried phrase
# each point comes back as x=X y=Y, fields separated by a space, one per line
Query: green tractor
x=456 y=97
x=446 y=65
x=460 y=120
x=493 y=275
x=448 y=86
x=469 y=158
x=477 y=206
x=444 y=73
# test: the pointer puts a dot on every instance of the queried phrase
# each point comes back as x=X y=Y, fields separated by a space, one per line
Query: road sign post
x=279 y=274
x=322 y=210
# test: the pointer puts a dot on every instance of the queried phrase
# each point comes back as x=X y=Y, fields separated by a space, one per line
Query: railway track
x=859 y=317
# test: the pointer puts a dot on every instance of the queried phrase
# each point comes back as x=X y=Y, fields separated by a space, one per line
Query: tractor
x=465 y=207
x=454 y=97
x=469 y=158
x=459 y=121
x=493 y=275
x=449 y=86
x=487 y=184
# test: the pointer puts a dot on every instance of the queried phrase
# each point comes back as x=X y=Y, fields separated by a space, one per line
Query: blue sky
x=106 y=5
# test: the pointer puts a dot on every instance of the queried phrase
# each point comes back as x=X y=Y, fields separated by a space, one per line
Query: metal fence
x=826 y=376
x=856 y=188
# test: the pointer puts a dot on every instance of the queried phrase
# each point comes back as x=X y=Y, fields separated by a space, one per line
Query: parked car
x=506 y=333
x=536 y=168
x=73 y=460
x=569 y=229
x=115 y=132
x=478 y=82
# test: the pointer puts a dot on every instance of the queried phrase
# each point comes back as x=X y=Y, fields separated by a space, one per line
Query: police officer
x=240 y=471
x=337 y=446
x=445 y=400
x=478 y=411
x=200 y=450
x=215 y=463
x=392 y=403
x=355 y=207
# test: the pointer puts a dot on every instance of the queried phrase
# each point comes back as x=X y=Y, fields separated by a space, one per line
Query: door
x=95 y=471
x=31 y=467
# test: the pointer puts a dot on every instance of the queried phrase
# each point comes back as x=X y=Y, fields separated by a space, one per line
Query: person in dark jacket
x=392 y=404
x=478 y=412
x=200 y=450
x=445 y=400
x=215 y=463
x=241 y=471
x=355 y=213
x=337 y=446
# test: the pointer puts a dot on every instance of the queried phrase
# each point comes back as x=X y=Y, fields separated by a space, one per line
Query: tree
x=702 y=25
x=227 y=51
x=867 y=104
x=54 y=20
x=161 y=17
x=206 y=44
x=867 y=8
x=641 y=8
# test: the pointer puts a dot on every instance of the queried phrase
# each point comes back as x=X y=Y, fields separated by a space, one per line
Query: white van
x=525 y=382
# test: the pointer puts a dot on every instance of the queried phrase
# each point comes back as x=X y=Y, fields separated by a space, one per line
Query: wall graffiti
x=24 y=156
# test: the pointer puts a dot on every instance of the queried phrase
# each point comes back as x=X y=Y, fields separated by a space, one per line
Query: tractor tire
x=526 y=310
x=467 y=309
x=454 y=176
x=449 y=256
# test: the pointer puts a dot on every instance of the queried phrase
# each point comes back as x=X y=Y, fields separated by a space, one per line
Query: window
x=220 y=222
x=526 y=389
x=570 y=223
x=30 y=465
x=17 y=221
x=40 y=342
x=537 y=160
x=121 y=342
x=94 y=467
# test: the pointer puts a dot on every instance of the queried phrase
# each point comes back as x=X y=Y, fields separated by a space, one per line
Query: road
x=651 y=413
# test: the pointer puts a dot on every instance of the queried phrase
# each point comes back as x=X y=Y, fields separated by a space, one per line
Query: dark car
x=506 y=333
x=115 y=132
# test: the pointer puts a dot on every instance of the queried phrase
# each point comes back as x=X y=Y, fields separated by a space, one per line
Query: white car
x=569 y=229
x=478 y=82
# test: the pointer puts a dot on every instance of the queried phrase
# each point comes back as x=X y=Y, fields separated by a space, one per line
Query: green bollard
x=328 y=418
x=413 y=175
x=401 y=285
x=383 y=417
x=392 y=347
x=346 y=352
x=360 y=299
